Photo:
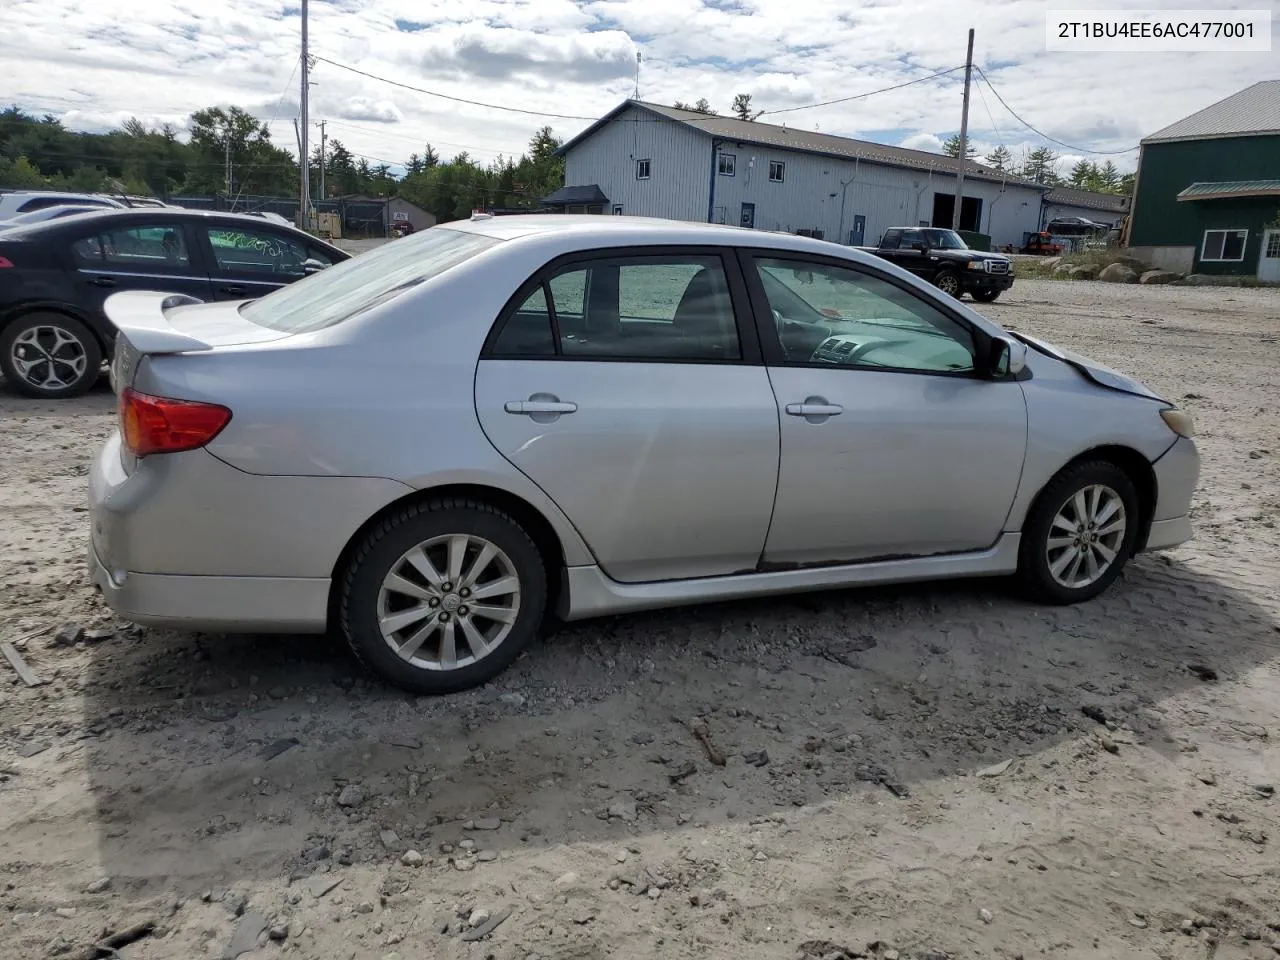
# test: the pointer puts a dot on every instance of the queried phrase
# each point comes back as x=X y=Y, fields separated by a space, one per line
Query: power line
x=1072 y=147
x=861 y=96
x=446 y=96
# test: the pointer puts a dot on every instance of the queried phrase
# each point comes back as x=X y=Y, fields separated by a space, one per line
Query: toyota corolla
x=435 y=446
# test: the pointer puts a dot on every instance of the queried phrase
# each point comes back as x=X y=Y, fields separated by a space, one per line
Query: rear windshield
x=340 y=292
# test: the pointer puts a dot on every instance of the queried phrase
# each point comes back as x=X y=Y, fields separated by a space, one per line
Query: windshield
x=945 y=240
x=340 y=292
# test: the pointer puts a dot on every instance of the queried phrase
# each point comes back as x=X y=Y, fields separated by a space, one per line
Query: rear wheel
x=985 y=296
x=443 y=596
x=1080 y=533
x=49 y=355
x=948 y=281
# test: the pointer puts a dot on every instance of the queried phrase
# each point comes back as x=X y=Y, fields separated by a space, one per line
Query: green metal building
x=1207 y=198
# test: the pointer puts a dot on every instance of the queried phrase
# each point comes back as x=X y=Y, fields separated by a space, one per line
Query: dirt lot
x=209 y=784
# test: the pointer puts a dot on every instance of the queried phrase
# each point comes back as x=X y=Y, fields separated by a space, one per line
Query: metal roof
x=1229 y=189
x=806 y=141
x=1254 y=110
x=1070 y=196
x=574 y=196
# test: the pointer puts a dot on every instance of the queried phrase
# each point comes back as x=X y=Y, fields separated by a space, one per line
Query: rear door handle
x=528 y=407
x=233 y=291
x=810 y=408
x=103 y=282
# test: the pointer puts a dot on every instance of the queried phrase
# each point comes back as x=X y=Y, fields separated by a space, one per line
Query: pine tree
x=951 y=147
x=1000 y=159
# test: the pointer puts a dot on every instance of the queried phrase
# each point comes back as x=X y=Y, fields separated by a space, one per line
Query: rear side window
x=134 y=248
x=362 y=283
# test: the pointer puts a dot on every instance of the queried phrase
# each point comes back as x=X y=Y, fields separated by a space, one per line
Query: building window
x=642 y=169
x=1273 y=247
x=776 y=170
x=727 y=162
x=1224 y=246
x=617 y=209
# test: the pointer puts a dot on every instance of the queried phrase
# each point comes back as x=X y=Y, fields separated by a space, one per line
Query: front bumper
x=972 y=280
x=1177 y=472
x=187 y=541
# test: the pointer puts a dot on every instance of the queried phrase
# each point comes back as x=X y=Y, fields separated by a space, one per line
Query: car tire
x=948 y=281
x=1102 y=494
x=986 y=296
x=49 y=347
x=399 y=611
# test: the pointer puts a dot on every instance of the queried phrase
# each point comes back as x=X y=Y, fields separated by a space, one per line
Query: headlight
x=976 y=265
x=1179 y=421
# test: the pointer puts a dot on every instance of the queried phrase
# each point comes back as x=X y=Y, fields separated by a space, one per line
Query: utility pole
x=304 y=179
x=322 y=142
x=964 y=133
x=638 y=59
x=226 y=138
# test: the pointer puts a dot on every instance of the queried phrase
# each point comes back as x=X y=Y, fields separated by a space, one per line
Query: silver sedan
x=439 y=444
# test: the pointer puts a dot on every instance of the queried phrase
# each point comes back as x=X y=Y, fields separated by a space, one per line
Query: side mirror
x=312 y=266
x=1007 y=356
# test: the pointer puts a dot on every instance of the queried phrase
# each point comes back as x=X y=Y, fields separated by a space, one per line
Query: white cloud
x=97 y=64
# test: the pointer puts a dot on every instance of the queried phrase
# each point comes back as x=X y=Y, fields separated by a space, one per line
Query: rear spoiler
x=139 y=315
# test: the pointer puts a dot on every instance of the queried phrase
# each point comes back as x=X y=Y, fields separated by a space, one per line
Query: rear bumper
x=187 y=541
x=214 y=604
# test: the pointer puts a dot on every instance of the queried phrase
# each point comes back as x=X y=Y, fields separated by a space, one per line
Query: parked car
x=54 y=277
x=435 y=445
x=14 y=202
x=945 y=260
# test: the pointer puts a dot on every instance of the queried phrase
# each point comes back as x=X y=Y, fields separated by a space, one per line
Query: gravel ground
x=926 y=772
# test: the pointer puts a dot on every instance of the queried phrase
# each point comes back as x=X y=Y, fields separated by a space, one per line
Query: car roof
x=598 y=230
x=152 y=215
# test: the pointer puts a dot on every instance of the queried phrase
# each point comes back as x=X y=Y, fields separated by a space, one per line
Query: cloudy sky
x=96 y=64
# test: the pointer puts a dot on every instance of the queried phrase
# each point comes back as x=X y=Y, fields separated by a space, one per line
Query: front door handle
x=103 y=282
x=814 y=407
x=235 y=291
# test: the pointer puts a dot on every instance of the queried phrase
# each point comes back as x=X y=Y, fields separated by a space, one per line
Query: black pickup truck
x=941 y=257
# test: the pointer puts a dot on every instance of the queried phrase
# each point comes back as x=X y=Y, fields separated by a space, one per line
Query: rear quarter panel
x=1069 y=415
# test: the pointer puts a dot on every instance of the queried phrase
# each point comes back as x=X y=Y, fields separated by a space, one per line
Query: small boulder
x=1118 y=273
x=1082 y=271
x=1052 y=263
x=1063 y=269
x=1159 y=276
x=352 y=795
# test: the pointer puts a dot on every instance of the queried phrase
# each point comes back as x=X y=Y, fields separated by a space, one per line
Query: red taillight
x=5 y=262
x=160 y=425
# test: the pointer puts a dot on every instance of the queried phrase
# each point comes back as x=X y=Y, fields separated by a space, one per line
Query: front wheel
x=986 y=296
x=1080 y=533
x=50 y=356
x=948 y=281
x=443 y=596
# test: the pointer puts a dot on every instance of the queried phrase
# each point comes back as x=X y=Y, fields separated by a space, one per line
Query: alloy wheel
x=1085 y=536
x=949 y=284
x=449 y=602
x=48 y=357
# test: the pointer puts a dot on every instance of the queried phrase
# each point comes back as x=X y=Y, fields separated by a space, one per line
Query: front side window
x=834 y=316
x=1224 y=245
x=727 y=163
x=643 y=308
x=140 y=249
x=364 y=282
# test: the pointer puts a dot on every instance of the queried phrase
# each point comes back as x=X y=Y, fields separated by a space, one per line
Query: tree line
x=1041 y=165
x=230 y=152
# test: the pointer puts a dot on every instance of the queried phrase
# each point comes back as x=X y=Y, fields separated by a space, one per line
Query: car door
x=894 y=444
x=630 y=389
x=141 y=255
x=247 y=261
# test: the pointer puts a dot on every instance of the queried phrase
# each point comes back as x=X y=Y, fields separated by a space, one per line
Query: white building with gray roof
x=645 y=159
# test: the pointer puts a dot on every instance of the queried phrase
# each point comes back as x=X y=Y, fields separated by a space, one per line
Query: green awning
x=1230 y=189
